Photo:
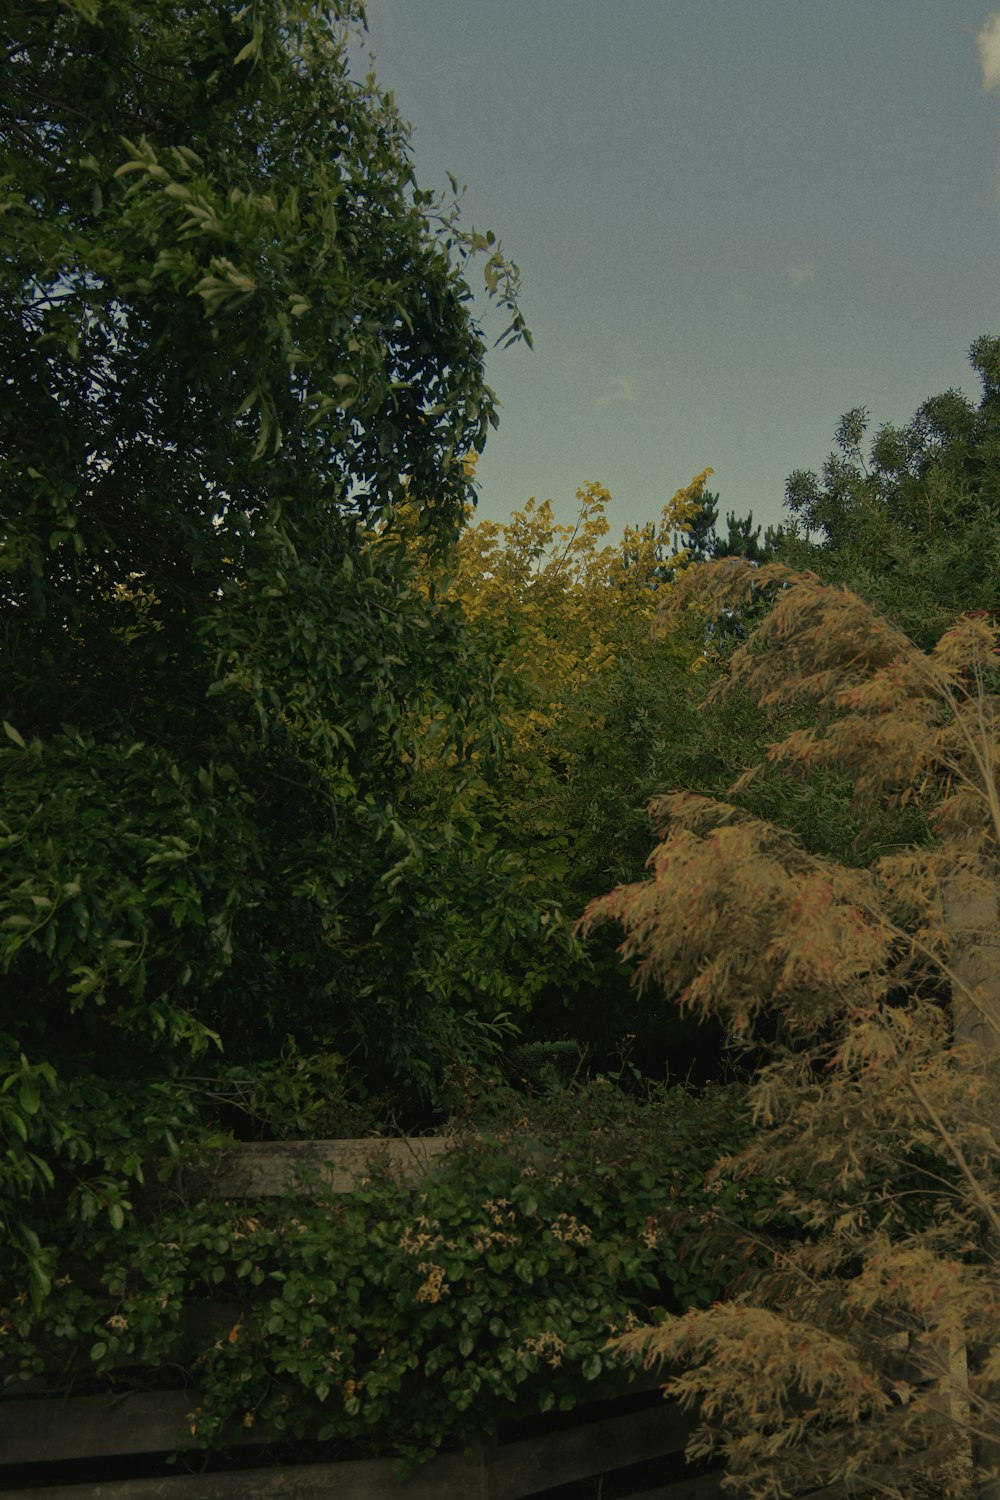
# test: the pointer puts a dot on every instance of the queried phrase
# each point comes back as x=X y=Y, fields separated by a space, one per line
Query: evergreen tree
x=742 y=539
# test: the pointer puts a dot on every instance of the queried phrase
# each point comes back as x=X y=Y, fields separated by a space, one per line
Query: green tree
x=234 y=333
x=914 y=527
x=597 y=712
x=868 y=994
x=601 y=714
x=743 y=539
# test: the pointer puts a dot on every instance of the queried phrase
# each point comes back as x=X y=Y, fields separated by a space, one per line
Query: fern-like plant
x=862 y=1347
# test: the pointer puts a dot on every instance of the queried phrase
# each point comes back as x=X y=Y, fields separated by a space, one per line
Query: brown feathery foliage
x=874 y=995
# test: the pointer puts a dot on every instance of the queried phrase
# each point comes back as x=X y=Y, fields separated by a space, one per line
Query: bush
x=407 y=1318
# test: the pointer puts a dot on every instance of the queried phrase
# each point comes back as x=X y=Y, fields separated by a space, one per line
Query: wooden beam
x=698 y=1487
x=267 y=1169
x=53 y=1429
x=577 y=1453
x=452 y=1477
x=41 y=1432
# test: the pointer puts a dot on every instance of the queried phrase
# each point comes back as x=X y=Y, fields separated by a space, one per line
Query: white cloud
x=988 y=43
x=621 y=388
x=805 y=271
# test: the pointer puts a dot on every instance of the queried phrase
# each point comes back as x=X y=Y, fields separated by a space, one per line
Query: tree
x=914 y=527
x=869 y=996
x=234 y=332
x=595 y=712
x=742 y=538
x=599 y=714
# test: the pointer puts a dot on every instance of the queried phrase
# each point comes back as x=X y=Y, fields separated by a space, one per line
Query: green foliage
x=742 y=539
x=409 y=1318
x=599 y=714
x=914 y=528
x=235 y=333
x=293 y=1096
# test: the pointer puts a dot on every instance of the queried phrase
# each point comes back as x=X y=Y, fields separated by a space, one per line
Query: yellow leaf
x=246 y=53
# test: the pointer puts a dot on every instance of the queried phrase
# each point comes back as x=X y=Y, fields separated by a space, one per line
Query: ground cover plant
x=406 y=1318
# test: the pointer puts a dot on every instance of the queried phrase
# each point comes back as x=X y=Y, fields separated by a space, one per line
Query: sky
x=734 y=221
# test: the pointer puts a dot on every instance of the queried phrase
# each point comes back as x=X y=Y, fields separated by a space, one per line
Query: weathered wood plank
x=613 y=1443
x=451 y=1477
x=698 y=1487
x=154 y=1422
x=49 y=1430
x=261 y=1169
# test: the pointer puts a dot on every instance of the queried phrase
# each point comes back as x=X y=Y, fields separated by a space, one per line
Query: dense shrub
x=409 y=1317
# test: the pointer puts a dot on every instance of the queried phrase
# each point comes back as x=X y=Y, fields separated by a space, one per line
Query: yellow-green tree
x=871 y=994
x=564 y=606
x=593 y=712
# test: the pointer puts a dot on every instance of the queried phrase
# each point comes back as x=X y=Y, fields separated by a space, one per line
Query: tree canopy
x=234 y=333
x=914 y=524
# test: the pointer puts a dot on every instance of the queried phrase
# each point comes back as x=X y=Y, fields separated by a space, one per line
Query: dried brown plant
x=862 y=1348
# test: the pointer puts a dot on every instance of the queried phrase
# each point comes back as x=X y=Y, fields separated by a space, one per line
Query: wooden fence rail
x=252 y=1170
x=145 y=1423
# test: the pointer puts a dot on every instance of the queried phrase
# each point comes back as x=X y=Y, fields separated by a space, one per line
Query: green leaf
x=43 y=1169
x=526 y=1199
x=12 y=734
x=29 y=1094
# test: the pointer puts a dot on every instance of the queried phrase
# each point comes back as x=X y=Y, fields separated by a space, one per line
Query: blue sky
x=734 y=219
